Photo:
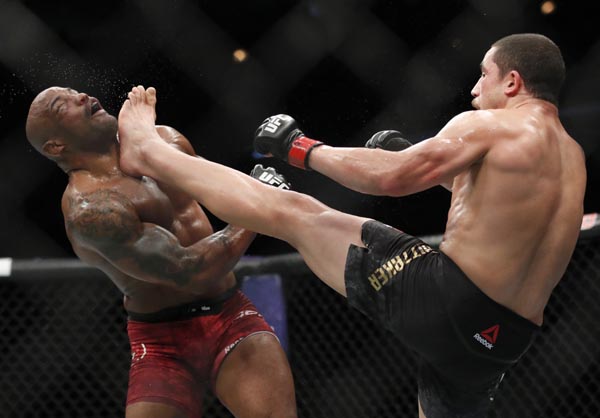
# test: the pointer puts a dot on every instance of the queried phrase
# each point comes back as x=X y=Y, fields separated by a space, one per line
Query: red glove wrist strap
x=300 y=151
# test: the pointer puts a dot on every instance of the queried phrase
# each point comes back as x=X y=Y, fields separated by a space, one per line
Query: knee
x=297 y=207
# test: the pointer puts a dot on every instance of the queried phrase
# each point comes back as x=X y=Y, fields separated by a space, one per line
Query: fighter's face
x=79 y=117
x=488 y=92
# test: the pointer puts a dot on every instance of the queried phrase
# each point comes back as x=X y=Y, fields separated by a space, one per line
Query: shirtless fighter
x=517 y=180
x=189 y=326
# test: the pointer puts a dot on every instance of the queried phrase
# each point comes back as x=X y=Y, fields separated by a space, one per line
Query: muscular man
x=517 y=180
x=189 y=326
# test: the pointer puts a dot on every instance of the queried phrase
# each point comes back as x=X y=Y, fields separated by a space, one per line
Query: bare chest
x=151 y=203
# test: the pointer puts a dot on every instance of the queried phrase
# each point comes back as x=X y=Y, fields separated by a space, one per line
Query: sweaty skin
x=154 y=242
x=517 y=180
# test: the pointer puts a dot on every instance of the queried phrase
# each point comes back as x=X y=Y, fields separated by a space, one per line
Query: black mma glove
x=269 y=176
x=388 y=140
x=279 y=136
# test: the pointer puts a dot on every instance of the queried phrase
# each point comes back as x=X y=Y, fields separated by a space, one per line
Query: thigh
x=160 y=382
x=255 y=379
x=322 y=236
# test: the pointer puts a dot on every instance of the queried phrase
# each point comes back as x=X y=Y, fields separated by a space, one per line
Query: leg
x=321 y=234
x=255 y=380
x=421 y=413
x=153 y=410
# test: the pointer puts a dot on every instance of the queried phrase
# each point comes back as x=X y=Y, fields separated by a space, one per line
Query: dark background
x=343 y=69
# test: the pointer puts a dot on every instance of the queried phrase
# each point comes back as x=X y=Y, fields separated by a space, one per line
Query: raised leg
x=321 y=234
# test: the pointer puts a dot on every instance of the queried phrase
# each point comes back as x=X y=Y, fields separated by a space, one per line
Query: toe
x=151 y=95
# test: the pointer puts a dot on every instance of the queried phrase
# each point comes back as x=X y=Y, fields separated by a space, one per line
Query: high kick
x=321 y=234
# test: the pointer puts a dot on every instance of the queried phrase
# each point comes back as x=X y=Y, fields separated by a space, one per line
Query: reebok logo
x=488 y=337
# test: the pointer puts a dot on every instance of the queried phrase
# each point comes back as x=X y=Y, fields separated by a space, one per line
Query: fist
x=279 y=136
x=276 y=135
x=389 y=141
x=269 y=176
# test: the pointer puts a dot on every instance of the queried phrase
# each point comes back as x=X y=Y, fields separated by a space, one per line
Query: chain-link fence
x=65 y=351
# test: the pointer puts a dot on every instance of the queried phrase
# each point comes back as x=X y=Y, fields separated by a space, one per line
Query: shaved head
x=64 y=125
x=39 y=128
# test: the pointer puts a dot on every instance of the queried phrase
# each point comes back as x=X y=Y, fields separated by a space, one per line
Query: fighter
x=189 y=325
x=471 y=308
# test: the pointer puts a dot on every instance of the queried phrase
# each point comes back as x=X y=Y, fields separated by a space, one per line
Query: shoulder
x=174 y=137
x=483 y=127
x=101 y=217
x=477 y=120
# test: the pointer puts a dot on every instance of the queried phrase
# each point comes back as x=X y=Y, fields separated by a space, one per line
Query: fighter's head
x=63 y=124
x=525 y=63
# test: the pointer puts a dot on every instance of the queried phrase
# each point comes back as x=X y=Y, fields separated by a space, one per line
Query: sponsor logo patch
x=488 y=336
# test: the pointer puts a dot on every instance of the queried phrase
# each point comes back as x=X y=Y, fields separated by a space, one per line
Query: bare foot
x=137 y=132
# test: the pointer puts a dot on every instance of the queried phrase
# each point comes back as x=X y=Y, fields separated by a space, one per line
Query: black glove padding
x=275 y=135
x=389 y=141
x=269 y=176
x=279 y=136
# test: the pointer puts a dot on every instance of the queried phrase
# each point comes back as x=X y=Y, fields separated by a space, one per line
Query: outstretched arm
x=435 y=161
x=106 y=223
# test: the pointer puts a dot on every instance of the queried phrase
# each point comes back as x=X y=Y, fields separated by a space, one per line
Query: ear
x=53 y=147
x=513 y=83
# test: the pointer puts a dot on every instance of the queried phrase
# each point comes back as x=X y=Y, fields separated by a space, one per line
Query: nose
x=82 y=98
x=475 y=90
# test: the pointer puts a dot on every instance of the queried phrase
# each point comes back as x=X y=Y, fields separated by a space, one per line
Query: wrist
x=299 y=152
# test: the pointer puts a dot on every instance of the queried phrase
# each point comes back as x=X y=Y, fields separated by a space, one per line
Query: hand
x=389 y=141
x=280 y=137
x=269 y=176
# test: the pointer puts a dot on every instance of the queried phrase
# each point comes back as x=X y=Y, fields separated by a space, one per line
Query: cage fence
x=65 y=353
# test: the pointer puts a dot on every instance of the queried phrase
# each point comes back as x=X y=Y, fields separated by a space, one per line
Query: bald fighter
x=189 y=326
x=470 y=309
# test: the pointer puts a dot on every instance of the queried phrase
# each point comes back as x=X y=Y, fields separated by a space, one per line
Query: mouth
x=95 y=106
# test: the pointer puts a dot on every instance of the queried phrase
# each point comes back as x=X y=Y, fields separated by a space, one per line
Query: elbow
x=377 y=183
x=405 y=183
x=389 y=185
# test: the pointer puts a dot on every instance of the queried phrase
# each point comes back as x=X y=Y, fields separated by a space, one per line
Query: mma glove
x=279 y=136
x=269 y=176
x=389 y=141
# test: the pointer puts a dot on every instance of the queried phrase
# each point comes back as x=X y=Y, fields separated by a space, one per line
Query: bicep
x=460 y=144
x=155 y=255
x=108 y=225
x=438 y=160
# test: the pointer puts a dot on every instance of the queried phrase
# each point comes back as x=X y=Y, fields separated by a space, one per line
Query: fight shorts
x=464 y=339
x=176 y=352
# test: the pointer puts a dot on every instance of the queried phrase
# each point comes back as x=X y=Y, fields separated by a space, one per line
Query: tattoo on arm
x=108 y=222
x=104 y=217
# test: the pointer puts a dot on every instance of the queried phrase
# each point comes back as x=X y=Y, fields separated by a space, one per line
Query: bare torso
x=515 y=216
x=164 y=207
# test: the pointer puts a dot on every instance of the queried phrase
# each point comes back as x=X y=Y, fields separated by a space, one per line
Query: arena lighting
x=548 y=7
x=240 y=55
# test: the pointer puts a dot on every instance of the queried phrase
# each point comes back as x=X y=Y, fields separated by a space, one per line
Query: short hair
x=537 y=59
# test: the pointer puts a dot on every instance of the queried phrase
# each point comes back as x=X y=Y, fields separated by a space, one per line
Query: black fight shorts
x=465 y=340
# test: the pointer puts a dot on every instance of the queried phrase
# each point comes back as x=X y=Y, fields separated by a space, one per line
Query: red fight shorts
x=176 y=352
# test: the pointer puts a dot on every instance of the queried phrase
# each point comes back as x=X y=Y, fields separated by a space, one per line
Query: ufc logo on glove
x=273 y=125
x=269 y=178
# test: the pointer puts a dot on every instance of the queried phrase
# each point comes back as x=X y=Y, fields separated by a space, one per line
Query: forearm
x=225 y=248
x=196 y=268
x=359 y=169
